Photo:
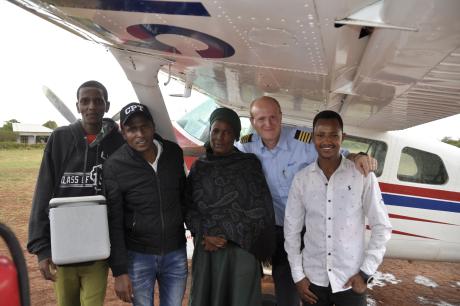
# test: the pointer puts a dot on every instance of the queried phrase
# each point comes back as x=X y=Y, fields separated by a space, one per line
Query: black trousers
x=343 y=298
x=285 y=289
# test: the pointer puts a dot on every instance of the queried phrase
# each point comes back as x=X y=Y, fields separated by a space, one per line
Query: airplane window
x=246 y=127
x=418 y=166
x=407 y=166
x=196 y=122
x=374 y=148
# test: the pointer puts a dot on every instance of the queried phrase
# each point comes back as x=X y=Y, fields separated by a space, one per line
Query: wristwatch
x=367 y=278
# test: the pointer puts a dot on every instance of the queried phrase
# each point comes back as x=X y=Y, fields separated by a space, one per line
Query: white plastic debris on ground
x=425 y=281
x=424 y=301
x=371 y=302
x=381 y=279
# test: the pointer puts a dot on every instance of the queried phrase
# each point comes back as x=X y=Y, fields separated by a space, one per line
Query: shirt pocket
x=288 y=172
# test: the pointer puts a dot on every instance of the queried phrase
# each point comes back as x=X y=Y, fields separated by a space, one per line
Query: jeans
x=170 y=270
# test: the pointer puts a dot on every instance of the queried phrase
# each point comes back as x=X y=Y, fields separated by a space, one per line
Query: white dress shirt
x=333 y=213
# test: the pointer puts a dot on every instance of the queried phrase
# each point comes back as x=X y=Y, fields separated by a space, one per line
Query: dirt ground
x=399 y=282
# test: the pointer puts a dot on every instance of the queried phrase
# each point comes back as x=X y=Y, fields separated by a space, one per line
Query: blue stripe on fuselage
x=407 y=201
x=139 y=6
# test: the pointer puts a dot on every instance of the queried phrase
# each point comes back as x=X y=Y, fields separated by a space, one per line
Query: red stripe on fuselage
x=409 y=234
x=405 y=234
x=395 y=216
x=420 y=192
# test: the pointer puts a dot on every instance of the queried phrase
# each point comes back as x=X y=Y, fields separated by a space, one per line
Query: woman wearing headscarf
x=230 y=214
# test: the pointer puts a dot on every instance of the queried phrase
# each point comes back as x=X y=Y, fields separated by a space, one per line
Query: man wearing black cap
x=144 y=183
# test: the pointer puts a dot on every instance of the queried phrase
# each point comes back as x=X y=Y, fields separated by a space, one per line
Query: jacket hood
x=108 y=127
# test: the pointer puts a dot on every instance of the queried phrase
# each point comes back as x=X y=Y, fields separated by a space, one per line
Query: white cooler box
x=79 y=229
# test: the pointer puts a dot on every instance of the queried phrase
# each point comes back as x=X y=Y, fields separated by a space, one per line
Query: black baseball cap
x=134 y=108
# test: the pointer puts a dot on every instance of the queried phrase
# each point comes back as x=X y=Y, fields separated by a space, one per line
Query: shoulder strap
x=246 y=138
x=303 y=136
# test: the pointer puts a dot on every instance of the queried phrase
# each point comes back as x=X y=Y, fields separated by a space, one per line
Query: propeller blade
x=59 y=105
x=116 y=117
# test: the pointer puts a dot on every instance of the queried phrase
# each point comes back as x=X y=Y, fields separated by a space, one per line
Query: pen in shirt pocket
x=285 y=171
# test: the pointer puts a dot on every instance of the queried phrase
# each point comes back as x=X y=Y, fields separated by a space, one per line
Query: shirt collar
x=341 y=167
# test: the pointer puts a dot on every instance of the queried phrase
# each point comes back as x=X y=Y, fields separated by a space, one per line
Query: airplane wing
x=384 y=65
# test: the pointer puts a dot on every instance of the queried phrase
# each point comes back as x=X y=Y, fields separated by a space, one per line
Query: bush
x=15 y=145
x=6 y=135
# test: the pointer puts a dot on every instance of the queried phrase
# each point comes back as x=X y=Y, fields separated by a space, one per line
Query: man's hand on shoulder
x=364 y=163
x=304 y=291
x=124 y=288
x=47 y=269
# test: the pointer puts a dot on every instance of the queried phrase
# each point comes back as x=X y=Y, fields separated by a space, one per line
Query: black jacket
x=145 y=208
x=70 y=167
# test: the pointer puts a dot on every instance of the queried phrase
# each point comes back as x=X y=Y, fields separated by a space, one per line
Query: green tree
x=50 y=124
x=8 y=126
x=451 y=141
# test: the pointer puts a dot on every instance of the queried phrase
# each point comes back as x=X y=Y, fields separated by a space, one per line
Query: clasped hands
x=213 y=243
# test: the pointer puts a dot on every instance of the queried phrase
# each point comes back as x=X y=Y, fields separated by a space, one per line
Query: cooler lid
x=77 y=201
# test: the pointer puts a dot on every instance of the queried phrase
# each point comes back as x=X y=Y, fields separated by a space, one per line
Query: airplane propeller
x=116 y=117
x=59 y=104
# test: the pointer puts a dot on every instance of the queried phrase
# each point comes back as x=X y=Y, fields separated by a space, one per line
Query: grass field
x=18 y=174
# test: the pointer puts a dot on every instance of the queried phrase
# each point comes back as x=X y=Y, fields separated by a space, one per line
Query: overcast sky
x=36 y=53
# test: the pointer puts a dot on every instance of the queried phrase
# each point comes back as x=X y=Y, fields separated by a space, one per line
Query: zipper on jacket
x=133 y=229
x=98 y=173
x=85 y=161
x=161 y=212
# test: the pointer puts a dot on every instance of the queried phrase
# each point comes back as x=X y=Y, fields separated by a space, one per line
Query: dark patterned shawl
x=228 y=196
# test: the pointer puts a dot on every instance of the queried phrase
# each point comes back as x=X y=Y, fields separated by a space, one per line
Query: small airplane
x=384 y=65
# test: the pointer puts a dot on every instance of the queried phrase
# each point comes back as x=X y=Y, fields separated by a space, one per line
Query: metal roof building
x=31 y=133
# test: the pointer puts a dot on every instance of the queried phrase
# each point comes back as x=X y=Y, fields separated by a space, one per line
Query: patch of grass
x=18 y=174
x=20 y=159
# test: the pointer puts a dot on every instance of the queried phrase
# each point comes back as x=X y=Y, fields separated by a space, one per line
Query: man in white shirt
x=331 y=198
